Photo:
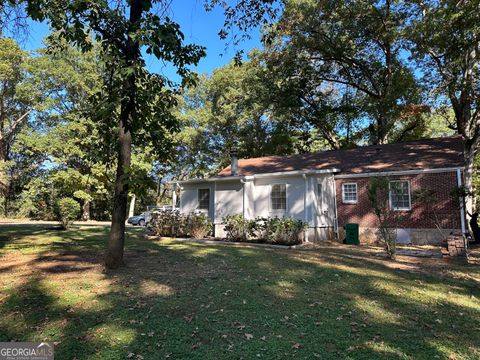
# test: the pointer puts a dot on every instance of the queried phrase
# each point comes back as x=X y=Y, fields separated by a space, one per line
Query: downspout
x=214 y=216
x=244 y=182
x=305 y=215
x=462 y=210
x=335 y=220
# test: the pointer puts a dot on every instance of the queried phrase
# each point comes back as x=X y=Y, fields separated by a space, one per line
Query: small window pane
x=400 y=195
x=203 y=199
x=279 y=197
x=349 y=193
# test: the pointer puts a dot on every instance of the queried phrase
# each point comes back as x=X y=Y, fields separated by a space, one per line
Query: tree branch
x=7 y=133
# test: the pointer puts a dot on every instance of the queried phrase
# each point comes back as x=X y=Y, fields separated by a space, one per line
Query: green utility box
x=351 y=234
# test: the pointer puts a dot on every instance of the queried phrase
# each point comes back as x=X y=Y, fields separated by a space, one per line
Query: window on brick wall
x=400 y=195
x=278 y=197
x=349 y=193
x=203 y=199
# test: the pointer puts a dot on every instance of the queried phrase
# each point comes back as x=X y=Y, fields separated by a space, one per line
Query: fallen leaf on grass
x=238 y=325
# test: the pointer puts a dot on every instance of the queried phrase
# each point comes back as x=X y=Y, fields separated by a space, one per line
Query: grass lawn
x=201 y=301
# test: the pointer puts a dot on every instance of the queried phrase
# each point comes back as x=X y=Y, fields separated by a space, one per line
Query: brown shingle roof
x=412 y=155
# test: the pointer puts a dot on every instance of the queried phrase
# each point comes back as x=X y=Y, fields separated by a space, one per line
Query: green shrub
x=237 y=228
x=167 y=223
x=284 y=231
x=174 y=224
x=388 y=219
x=199 y=225
x=66 y=211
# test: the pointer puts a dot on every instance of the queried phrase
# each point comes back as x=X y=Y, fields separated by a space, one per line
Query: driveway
x=52 y=223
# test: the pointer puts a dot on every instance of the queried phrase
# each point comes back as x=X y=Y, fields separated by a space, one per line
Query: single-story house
x=328 y=189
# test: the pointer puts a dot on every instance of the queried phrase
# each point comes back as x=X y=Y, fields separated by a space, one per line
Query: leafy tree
x=19 y=98
x=230 y=110
x=67 y=135
x=445 y=36
x=135 y=101
x=331 y=48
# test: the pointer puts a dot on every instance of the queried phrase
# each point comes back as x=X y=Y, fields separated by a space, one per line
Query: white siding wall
x=189 y=197
x=252 y=199
x=295 y=197
x=228 y=199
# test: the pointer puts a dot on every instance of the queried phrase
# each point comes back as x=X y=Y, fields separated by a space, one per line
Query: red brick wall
x=419 y=217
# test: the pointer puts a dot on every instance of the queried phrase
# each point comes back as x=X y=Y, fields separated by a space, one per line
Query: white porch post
x=131 y=210
x=305 y=205
x=174 y=196
x=248 y=201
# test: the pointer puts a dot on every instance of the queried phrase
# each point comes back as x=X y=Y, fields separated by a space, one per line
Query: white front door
x=324 y=190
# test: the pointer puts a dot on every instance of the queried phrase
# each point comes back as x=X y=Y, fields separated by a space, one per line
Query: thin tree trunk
x=5 y=211
x=4 y=177
x=470 y=152
x=114 y=254
x=86 y=210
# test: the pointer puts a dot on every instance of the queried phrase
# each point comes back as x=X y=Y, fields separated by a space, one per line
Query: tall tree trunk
x=470 y=153
x=4 y=177
x=114 y=254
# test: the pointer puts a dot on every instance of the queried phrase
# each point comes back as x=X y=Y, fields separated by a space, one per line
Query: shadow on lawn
x=198 y=301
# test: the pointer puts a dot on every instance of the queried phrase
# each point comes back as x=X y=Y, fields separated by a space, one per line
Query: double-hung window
x=278 y=197
x=349 y=193
x=400 y=195
x=203 y=199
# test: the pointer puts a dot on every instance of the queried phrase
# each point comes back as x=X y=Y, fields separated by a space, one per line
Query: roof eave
x=259 y=176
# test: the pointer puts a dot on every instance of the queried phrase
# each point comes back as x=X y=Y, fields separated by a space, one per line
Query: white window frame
x=409 y=196
x=198 y=199
x=343 y=193
x=278 y=211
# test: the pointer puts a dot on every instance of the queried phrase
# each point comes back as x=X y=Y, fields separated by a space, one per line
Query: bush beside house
x=174 y=224
x=281 y=231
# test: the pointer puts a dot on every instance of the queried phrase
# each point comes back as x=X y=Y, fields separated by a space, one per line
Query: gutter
x=259 y=176
x=397 y=172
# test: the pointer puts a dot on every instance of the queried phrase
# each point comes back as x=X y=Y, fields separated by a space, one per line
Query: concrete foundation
x=404 y=236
